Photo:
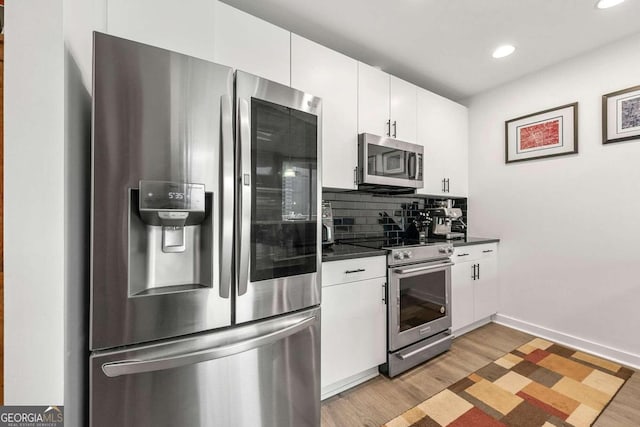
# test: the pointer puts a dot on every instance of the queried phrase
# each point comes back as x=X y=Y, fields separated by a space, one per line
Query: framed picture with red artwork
x=548 y=133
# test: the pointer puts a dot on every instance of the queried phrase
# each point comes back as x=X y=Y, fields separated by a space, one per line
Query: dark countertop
x=474 y=241
x=342 y=251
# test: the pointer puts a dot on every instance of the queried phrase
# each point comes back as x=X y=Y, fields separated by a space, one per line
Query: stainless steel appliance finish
x=260 y=374
x=443 y=219
x=419 y=304
x=275 y=275
x=384 y=161
x=205 y=217
x=160 y=116
x=328 y=231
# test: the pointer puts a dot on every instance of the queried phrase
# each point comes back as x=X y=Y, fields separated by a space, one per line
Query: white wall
x=34 y=203
x=569 y=226
x=80 y=18
x=48 y=50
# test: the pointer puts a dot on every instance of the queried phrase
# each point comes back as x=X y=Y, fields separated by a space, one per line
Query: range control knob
x=398 y=255
x=446 y=250
x=408 y=254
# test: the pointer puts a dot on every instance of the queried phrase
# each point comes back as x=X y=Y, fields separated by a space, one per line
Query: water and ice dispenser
x=170 y=238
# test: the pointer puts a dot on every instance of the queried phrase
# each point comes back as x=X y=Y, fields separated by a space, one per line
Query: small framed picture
x=548 y=133
x=621 y=115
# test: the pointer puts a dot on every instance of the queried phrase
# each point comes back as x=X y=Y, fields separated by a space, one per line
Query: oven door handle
x=417 y=269
x=404 y=356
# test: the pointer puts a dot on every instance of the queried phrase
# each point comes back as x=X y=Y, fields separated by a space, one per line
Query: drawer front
x=351 y=270
x=474 y=252
x=488 y=250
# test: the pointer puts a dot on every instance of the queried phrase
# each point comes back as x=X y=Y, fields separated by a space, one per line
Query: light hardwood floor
x=381 y=399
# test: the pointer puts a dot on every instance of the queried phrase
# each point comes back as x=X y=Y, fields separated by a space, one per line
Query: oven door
x=419 y=302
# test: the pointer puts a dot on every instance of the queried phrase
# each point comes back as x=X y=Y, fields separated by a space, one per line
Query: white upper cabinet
x=403 y=109
x=333 y=77
x=443 y=131
x=386 y=104
x=373 y=100
x=250 y=44
x=185 y=28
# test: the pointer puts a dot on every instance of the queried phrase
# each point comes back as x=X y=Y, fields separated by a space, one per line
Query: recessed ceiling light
x=606 y=4
x=504 y=50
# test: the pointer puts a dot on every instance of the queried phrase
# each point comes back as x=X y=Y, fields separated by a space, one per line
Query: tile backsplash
x=358 y=214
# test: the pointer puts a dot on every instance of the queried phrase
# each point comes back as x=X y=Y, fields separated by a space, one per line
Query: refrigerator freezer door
x=162 y=127
x=265 y=374
x=278 y=258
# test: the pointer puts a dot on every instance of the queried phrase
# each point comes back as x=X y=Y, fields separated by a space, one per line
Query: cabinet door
x=184 y=28
x=353 y=329
x=373 y=100
x=443 y=131
x=333 y=77
x=250 y=44
x=457 y=165
x=403 y=109
x=486 y=288
x=462 y=295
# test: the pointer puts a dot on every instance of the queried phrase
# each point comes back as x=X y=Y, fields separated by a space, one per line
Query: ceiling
x=446 y=45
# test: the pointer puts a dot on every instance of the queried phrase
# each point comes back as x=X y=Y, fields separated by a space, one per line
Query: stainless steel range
x=419 y=302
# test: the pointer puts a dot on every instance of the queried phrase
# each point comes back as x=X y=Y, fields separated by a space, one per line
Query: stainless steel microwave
x=384 y=161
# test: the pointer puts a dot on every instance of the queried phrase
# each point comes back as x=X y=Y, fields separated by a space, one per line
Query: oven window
x=422 y=299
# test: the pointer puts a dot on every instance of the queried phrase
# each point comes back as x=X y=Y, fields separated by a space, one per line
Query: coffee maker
x=443 y=217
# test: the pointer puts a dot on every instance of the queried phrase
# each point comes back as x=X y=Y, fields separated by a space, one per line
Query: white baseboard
x=347 y=383
x=471 y=327
x=615 y=355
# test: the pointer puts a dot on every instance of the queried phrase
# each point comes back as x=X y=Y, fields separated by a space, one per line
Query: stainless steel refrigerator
x=205 y=275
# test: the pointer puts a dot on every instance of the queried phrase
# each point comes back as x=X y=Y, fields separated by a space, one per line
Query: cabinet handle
x=448 y=186
x=395 y=129
x=359 y=270
x=389 y=127
x=478 y=270
x=473 y=276
x=355 y=176
x=463 y=254
x=487 y=251
x=384 y=293
x=444 y=189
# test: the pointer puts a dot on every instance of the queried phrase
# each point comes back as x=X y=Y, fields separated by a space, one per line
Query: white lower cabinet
x=353 y=324
x=474 y=286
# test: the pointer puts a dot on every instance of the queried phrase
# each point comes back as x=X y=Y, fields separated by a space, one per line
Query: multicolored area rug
x=539 y=384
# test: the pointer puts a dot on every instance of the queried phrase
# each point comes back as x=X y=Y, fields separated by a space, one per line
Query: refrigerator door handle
x=129 y=367
x=245 y=193
x=226 y=235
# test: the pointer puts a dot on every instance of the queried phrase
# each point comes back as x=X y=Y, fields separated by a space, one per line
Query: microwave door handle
x=244 y=183
x=226 y=234
x=136 y=366
x=412 y=166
